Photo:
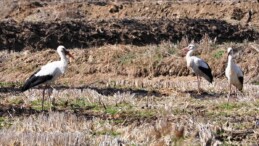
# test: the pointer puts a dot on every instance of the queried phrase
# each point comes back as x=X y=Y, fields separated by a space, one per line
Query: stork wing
x=203 y=64
x=43 y=75
x=240 y=74
x=35 y=80
x=205 y=68
x=48 y=69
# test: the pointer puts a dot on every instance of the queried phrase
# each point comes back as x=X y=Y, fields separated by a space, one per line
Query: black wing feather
x=241 y=80
x=207 y=71
x=35 y=80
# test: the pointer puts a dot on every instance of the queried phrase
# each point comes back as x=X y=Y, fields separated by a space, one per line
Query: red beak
x=185 y=50
x=70 y=55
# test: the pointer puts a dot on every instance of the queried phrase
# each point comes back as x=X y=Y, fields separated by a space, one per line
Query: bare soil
x=239 y=12
x=44 y=24
x=40 y=35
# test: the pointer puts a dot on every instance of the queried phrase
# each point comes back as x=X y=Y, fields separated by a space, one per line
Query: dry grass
x=132 y=118
x=135 y=96
x=120 y=61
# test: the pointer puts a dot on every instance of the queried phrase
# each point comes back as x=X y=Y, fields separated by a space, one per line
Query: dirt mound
x=45 y=24
x=81 y=34
x=243 y=12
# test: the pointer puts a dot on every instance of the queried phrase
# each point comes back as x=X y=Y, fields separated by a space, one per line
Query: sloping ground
x=81 y=34
x=117 y=62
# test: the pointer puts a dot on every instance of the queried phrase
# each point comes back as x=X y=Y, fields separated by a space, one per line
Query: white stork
x=234 y=73
x=198 y=66
x=49 y=72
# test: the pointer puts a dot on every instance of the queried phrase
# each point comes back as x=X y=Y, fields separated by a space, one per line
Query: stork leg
x=49 y=93
x=198 y=80
x=236 y=92
x=43 y=94
x=229 y=94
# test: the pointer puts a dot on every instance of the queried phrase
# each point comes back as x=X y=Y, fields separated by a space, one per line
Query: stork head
x=230 y=51
x=189 y=47
x=63 y=51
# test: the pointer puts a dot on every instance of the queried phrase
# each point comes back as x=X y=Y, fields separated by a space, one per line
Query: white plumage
x=233 y=73
x=54 y=69
x=198 y=65
x=49 y=72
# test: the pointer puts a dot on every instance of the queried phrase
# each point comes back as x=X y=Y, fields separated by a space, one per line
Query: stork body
x=233 y=73
x=198 y=66
x=49 y=72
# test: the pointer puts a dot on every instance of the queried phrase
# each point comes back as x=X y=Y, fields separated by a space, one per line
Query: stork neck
x=63 y=59
x=230 y=59
x=189 y=54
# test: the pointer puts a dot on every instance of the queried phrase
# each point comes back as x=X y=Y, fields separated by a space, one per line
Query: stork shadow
x=204 y=94
x=9 y=89
x=137 y=92
x=107 y=91
x=18 y=111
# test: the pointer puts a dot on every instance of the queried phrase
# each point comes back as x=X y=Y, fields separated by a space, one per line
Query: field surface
x=128 y=84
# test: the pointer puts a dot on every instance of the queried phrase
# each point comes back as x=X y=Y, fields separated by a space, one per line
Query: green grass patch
x=16 y=101
x=229 y=106
x=255 y=83
x=146 y=113
x=4 y=122
x=179 y=111
x=127 y=58
x=218 y=54
x=172 y=50
x=119 y=108
x=157 y=58
x=82 y=103
x=79 y=103
x=37 y=105
x=112 y=110
x=118 y=121
x=140 y=113
x=107 y=132
x=10 y=84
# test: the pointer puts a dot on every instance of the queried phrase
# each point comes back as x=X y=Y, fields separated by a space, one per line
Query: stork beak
x=184 y=51
x=69 y=54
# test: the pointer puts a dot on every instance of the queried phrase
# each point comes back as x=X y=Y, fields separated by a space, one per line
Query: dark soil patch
x=82 y=34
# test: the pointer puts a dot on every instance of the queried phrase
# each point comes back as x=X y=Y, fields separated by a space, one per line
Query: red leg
x=229 y=94
x=199 y=80
x=42 y=102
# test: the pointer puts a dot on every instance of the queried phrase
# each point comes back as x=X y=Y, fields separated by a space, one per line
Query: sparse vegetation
x=122 y=94
x=4 y=122
x=133 y=118
x=129 y=110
